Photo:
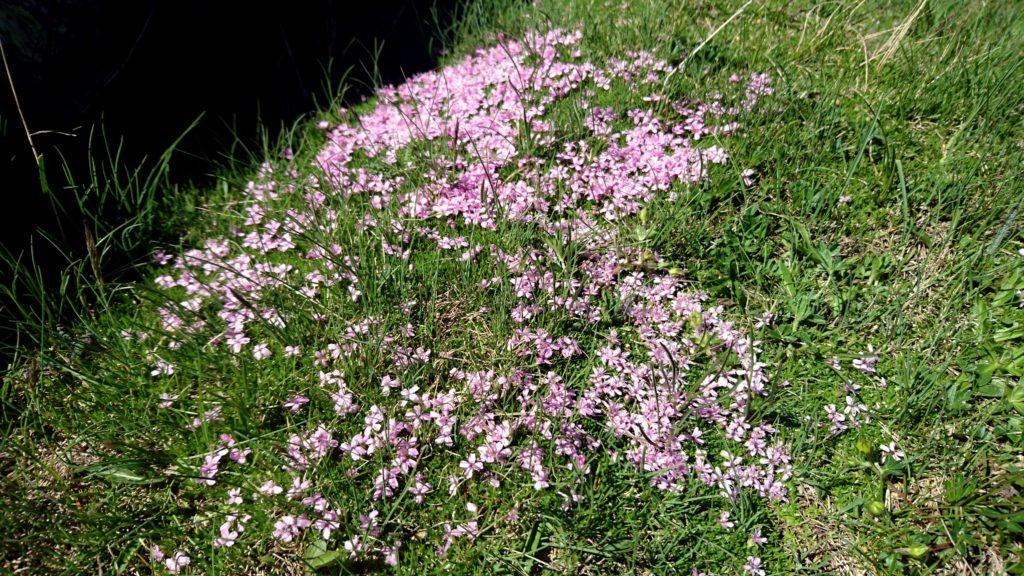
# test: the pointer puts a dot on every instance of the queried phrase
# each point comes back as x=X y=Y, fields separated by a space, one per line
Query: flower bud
x=917 y=551
x=875 y=508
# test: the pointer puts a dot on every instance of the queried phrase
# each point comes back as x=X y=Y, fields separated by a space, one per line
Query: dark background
x=145 y=70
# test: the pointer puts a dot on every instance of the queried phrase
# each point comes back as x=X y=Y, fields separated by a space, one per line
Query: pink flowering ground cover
x=457 y=292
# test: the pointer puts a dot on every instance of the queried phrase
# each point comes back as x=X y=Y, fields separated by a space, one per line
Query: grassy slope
x=914 y=114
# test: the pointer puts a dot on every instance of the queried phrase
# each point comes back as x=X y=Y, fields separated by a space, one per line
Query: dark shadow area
x=145 y=70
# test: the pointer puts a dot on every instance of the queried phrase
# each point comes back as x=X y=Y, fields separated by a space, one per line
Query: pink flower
x=748 y=176
x=239 y=455
x=837 y=418
x=229 y=532
x=753 y=566
x=296 y=403
x=328 y=524
x=298 y=488
x=471 y=466
x=288 y=527
x=353 y=546
x=890 y=451
x=208 y=470
x=163 y=368
x=236 y=340
x=261 y=351
x=211 y=415
x=161 y=257
x=175 y=563
x=419 y=489
x=391 y=554
x=866 y=363
x=723 y=520
x=270 y=488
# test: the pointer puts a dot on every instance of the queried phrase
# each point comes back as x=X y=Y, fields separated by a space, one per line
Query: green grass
x=914 y=111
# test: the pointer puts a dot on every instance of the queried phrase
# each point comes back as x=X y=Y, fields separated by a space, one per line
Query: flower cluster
x=666 y=370
x=854 y=412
